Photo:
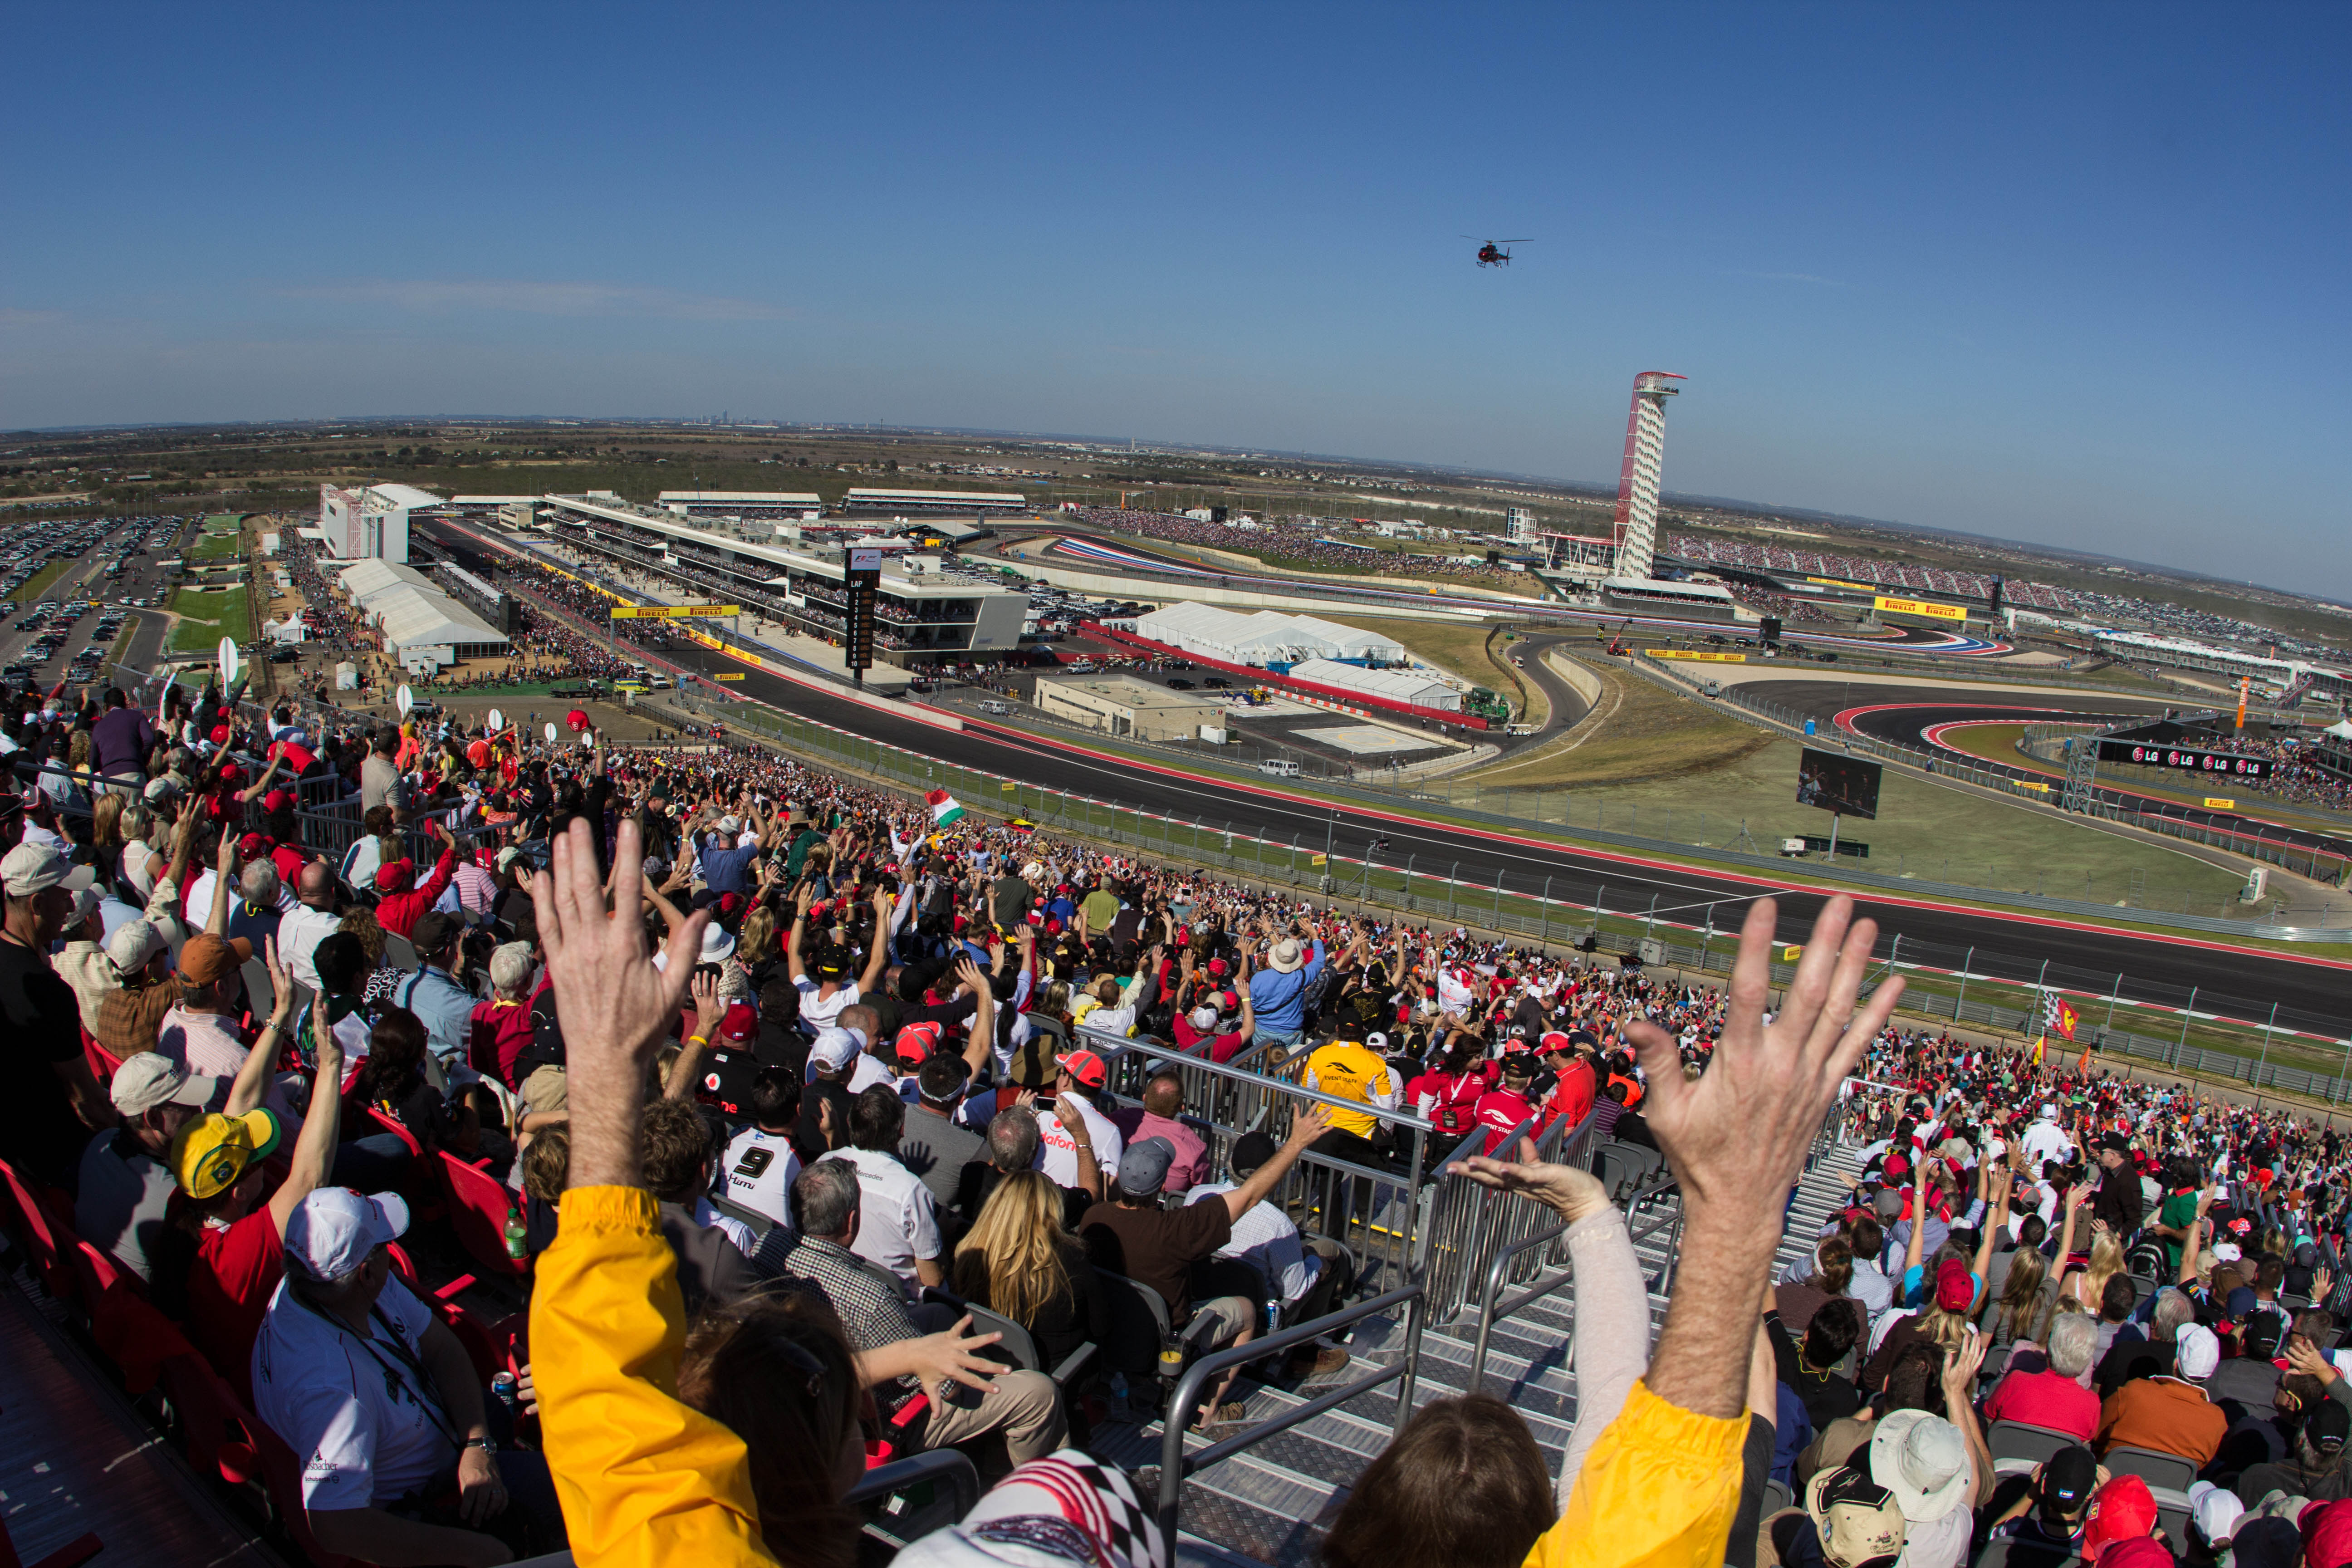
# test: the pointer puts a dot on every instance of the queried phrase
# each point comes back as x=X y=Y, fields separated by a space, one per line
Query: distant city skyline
x=2015 y=274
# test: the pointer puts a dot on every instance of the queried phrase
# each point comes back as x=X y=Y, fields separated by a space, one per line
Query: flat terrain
x=206 y=618
x=1470 y=653
x=221 y=537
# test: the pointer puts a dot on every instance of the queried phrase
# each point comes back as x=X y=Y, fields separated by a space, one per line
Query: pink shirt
x=1191 y=1165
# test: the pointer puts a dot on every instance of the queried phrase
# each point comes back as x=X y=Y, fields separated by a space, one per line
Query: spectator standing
x=899 y=1230
x=1278 y=992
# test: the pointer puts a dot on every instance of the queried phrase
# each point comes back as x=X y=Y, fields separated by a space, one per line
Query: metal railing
x=1175 y=1464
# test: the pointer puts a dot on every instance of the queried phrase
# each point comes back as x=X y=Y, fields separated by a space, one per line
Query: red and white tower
x=1637 y=482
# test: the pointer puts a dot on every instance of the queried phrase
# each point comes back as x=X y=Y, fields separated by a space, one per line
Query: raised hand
x=615 y=1006
x=1568 y=1191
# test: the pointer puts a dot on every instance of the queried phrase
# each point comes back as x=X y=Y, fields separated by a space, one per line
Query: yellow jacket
x=1658 y=1490
x=642 y=1479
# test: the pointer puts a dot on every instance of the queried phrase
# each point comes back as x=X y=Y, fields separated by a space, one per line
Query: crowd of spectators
x=634 y=983
x=1302 y=543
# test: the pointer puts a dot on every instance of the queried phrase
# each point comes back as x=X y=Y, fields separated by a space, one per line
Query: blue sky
x=2075 y=274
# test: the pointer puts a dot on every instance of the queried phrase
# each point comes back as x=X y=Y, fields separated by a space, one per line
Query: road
x=2152 y=968
x=1913 y=716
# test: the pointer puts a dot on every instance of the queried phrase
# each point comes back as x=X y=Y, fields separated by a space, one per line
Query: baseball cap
x=1250 y=1151
x=1065 y=1509
x=2116 y=1141
x=1204 y=1019
x=740 y=1023
x=1955 y=1288
x=211 y=1152
x=161 y=789
x=133 y=944
x=432 y=932
x=916 y=1042
x=333 y=1231
x=2068 y=1477
x=206 y=959
x=1922 y=1459
x=1143 y=1167
x=2328 y=1427
x=1087 y=1068
x=2196 y=1351
x=2326 y=1528
x=147 y=1080
x=833 y=1049
x=277 y=800
x=392 y=875
x=2122 y=1509
x=1553 y=1042
x=1860 y=1523
x=2215 y=1511
x=31 y=869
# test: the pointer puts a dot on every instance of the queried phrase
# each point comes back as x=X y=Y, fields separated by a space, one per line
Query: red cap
x=2327 y=1528
x=478 y=754
x=253 y=845
x=1955 y=1288
x=916 y=1042
x=392 y=875
x=1897 y=1166
x=1086 y=1068
x=220 y=735
x=741 y=1022
x=577 y=718
x=2123 y=1510
x=231 y=773
x=277 y=800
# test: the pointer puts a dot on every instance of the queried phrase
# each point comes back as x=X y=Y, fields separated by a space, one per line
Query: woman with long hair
x=391 y=1082
x=1019 y=1261
x=1463 y=1486
x=2027 y=1300
x=360 y=921
x=777 y=1371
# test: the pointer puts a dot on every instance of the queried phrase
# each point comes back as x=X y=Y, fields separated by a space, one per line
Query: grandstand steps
x=1274 y=1502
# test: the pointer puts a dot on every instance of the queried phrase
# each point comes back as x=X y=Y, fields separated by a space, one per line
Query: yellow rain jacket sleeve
x=1658 y=1490
x=643 y=1480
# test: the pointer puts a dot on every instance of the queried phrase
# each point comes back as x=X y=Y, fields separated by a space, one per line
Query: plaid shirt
x=871 y=1305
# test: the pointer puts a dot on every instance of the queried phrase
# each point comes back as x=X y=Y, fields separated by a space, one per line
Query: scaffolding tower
x=1637 y=480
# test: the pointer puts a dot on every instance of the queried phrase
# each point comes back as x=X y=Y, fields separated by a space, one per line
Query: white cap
x=334 y=1230
x=2196 y=1351
x=2215 y=1511
x=727 y=825
x=147 y=1080
x=30 y=868
x=833 y=1049
x=132 y=944
x=1204 y=1019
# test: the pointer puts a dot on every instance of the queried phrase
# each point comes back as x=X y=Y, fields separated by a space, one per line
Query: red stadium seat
x=479 y=1206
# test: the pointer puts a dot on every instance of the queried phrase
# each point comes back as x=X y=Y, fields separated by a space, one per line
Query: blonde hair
x=2106 y=1262
x=1016 y=1258
x=758 y=938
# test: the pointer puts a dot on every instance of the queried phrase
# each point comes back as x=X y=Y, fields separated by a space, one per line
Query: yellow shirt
x=1658 y=1490
x=1349 y=1071
x=643 y=1480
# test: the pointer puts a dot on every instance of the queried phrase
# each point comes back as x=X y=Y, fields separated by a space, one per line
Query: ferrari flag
x=2058 y=1015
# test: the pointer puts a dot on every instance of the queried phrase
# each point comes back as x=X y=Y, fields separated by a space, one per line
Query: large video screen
x=1842 y=785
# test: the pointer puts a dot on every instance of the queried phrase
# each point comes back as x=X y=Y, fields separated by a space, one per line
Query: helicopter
x=1491 y=252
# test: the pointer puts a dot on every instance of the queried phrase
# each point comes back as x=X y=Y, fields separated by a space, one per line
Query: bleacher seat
x=2175 y=1471
x=400 y=953
x=479 y=1206
x=36 y=1229
x=1018 y=1345
x=2015 y=1446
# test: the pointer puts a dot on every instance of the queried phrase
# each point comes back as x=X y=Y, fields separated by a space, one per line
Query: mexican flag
x=944 y=810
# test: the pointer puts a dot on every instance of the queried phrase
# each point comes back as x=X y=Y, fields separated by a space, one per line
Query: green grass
x=206 y=618
x=222 y=537
x=38 y=583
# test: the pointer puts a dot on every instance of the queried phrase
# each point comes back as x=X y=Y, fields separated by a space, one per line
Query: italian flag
x=944 y=810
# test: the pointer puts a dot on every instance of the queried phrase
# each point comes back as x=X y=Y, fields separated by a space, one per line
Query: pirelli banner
x=672 y=612
x=1893 y=606
x=2224 y=765
x=1696 y=655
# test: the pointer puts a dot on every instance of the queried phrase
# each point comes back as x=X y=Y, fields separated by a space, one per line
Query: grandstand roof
x=764 y=497
x=402 y=496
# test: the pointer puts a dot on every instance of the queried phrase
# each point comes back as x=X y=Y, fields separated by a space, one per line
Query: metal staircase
x=1272 y=1502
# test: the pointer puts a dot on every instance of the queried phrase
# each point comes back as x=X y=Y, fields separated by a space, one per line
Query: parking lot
x=70 y=589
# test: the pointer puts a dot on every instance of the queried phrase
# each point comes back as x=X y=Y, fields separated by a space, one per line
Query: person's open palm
x=613 y=1004
x=1746 y=1124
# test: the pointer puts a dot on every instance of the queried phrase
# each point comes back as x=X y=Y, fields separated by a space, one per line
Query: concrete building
x=926 y=613
x=370 y=522
x=1423 y=690
x=1121 y=705
x=779 y=505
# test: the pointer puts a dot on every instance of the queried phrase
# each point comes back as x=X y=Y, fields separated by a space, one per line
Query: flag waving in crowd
x=944 y=810
x=2058 y=1015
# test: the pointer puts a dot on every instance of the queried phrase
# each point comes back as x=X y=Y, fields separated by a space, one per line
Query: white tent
x=2341 y=729
x=1393 y=685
